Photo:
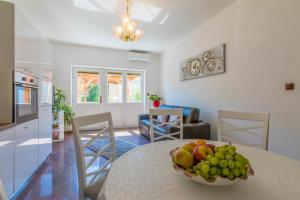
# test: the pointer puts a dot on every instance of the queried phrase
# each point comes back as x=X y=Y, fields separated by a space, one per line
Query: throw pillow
x=162 y=118
x=173 y=118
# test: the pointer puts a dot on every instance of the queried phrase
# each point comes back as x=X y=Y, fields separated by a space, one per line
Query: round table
x=146 y=173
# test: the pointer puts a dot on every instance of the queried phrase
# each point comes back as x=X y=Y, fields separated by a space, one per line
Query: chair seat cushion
x=92 y=191
x=165 y=129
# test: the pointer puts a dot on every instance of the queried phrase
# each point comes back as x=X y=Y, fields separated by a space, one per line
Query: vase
x=58 y=132
x=156 y=103
x=61 y=125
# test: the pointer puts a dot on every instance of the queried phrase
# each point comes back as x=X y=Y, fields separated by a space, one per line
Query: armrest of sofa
x=200 y=130
x=143 y=117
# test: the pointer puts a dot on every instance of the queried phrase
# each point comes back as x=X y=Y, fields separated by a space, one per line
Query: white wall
x=262 y=53
x=66 y=55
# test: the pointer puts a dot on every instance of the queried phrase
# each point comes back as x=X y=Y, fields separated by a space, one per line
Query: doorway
x=121 y=92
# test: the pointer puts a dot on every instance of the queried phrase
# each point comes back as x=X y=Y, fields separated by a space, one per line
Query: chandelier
x=127 y=30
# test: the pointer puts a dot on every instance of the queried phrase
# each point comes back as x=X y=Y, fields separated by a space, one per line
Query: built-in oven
x=26 y=97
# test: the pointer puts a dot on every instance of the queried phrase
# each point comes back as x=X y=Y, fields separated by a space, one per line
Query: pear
x=183 y=158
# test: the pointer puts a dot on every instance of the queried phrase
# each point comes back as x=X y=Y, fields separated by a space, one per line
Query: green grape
x=216 y=149
x=243 y=171
x=198 y=172
x=245 y=160
x=208 y=157
x=205 y=175
x=195 y=168
x=231 y=164
x=238 y=157
x=230 y=176
x=231 y=152
x=205 y=168
x=213 y=171
x=199 y=165
x=238 y=164
x=219 y=155
x=222 y=150
x=225 y=171
x=229 y=157
x=207 y=162
x=236 y=172
x=214 y=161
x=223 y=163
x=233 y=148
x=227 y=148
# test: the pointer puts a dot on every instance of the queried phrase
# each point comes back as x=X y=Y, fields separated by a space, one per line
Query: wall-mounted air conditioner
x=139 y=56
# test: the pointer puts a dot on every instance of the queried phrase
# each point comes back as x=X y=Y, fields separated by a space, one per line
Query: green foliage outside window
x=135 y=96
x=93 y=93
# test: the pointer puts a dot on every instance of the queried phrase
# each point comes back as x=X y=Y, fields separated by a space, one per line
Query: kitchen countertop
x=6 y=126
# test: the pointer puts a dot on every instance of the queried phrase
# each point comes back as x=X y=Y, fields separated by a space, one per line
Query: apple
x=189 y=147
x=183 y=158
x=199 y=153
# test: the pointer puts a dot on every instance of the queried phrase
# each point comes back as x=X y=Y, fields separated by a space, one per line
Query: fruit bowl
x=209 y=168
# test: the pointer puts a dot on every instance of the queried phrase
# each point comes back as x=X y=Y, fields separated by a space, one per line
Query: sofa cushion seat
x=166 y=129
x=161 y=129
x=146 y=123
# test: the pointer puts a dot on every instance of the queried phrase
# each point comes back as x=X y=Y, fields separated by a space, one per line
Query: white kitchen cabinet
x=7 y=159
x=45 y=132
x=26 y=151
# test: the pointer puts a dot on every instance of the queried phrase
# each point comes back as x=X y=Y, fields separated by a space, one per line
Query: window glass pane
x=114 y=87
x=134 y=83
x=88 y=88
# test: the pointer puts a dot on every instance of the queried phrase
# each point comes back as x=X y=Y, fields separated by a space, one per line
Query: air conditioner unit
x=139 y=56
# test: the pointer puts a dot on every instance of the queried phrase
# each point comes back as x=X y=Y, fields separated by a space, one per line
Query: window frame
x=99 y=84
x=121 y=73
x=141 y=84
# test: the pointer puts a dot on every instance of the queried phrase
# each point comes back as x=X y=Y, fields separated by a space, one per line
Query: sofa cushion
x=161 y=129
x=146 y=123
x=165 y=129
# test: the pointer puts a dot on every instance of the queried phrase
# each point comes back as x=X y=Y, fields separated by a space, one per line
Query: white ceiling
x=90 y=22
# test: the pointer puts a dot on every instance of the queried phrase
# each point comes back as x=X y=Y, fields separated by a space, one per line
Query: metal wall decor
x=208 y=63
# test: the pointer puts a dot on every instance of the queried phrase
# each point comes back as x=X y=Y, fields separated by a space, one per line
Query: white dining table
x=146 y=173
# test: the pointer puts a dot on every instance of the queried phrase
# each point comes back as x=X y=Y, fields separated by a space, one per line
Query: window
x=114 y=87
x=88 y=89
x=134 y=92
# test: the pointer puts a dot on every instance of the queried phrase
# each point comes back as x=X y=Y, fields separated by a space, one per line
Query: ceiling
x=90 y=22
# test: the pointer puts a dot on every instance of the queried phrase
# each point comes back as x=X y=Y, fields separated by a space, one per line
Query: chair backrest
x=234 y=127
x=3 y=195
x=172 y=127
x=85 y=158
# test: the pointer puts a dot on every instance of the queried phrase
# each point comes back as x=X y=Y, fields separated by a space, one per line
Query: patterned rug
x=122 y=146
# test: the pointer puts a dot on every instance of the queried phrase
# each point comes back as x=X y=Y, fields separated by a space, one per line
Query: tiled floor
x=57 y=177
